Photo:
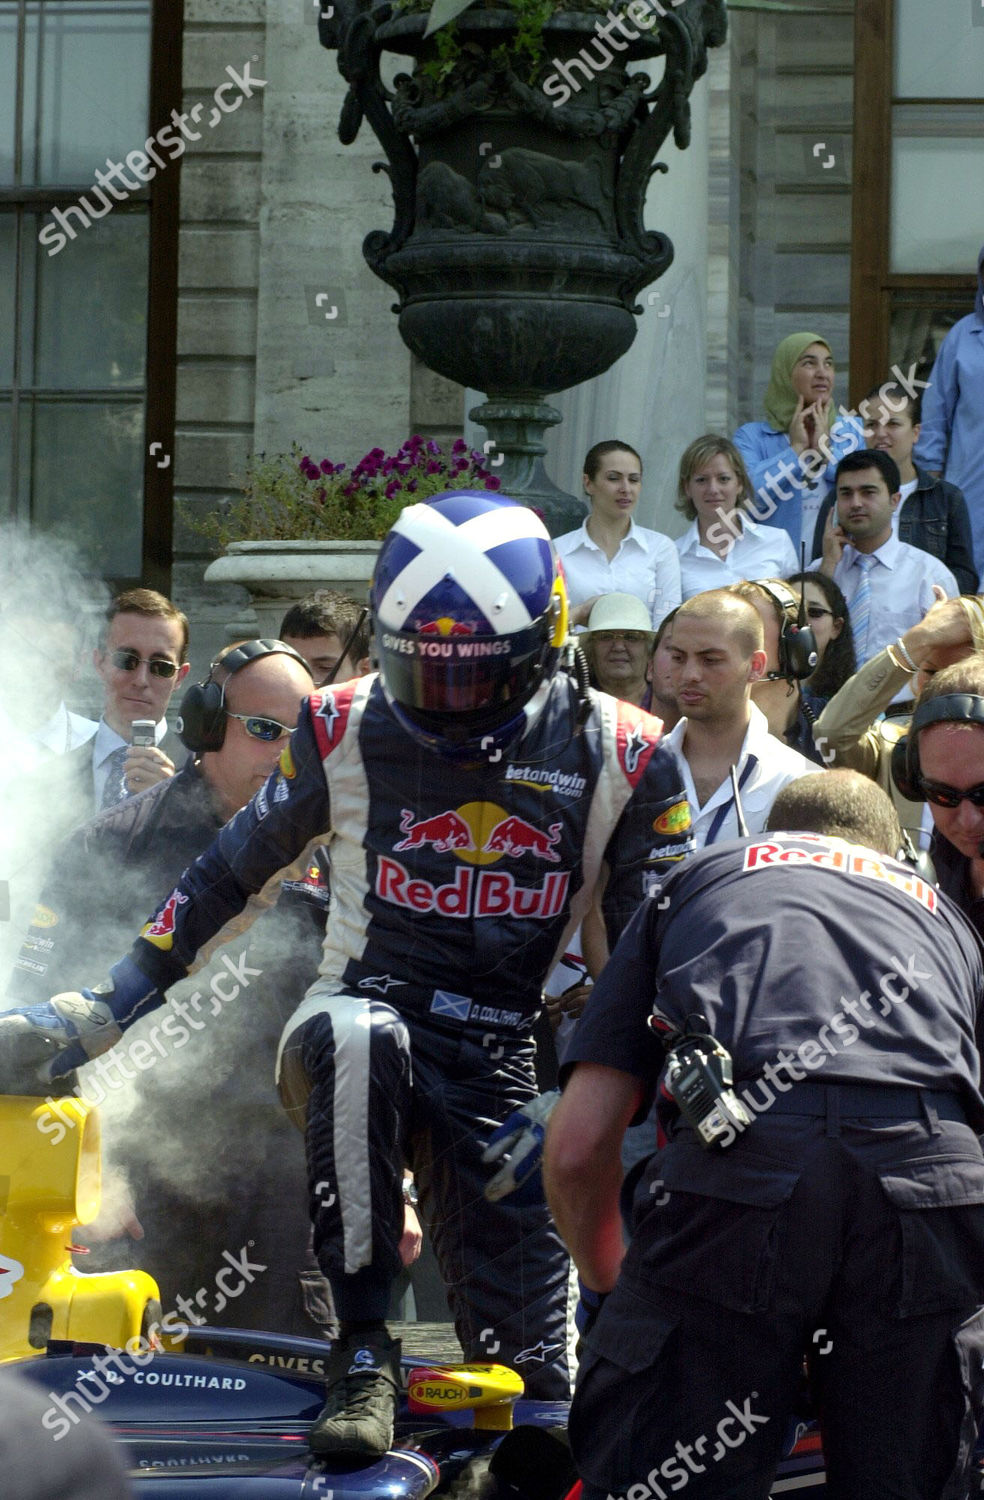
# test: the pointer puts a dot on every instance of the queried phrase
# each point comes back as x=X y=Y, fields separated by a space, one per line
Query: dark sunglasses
x=817 y=612
x=942 y=795
x=262 y=729
x=158 y=666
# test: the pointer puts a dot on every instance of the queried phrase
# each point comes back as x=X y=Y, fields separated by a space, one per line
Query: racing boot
x=362 y=1383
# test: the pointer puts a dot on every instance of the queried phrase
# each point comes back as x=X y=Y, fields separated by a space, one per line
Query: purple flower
x=432 y=467
x=433 y=447
x=412 y=486
x=459 y=446
x=493 y=482
x=392 y=488
x=327 y=467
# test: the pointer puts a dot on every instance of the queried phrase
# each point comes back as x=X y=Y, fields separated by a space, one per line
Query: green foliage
x=292 y=497
x=525 y=52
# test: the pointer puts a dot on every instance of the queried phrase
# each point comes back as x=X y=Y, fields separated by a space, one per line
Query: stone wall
x=274 y=211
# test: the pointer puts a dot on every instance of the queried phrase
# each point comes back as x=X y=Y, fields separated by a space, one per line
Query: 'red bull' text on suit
x=452 y=886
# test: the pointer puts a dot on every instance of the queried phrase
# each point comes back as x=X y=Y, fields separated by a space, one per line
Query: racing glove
x=518 y=1145
x=43 y=1042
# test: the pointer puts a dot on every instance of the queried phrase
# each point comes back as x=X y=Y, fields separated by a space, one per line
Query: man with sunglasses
x=102 y=881
x=141 y=661
x=948 y=759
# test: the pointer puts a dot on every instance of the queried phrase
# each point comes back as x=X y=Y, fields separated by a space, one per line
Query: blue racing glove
x=43 y=1042
x=518 y=1145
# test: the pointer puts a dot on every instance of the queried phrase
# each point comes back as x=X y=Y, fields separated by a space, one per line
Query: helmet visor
x=461 y=674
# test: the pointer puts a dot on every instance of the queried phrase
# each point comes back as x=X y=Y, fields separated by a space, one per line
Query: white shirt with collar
x=764 y=767
x=105 y=741
x=64 y=731
x=901 y=582
x=759 y=552
x=646 y=564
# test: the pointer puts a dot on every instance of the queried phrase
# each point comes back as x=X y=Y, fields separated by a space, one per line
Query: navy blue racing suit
x=452 y=887
x=845 y=1223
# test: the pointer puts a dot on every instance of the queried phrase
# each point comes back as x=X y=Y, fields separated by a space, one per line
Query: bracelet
x=907 y=662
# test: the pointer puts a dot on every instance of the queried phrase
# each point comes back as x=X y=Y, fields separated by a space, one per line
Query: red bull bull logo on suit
x=477 y=833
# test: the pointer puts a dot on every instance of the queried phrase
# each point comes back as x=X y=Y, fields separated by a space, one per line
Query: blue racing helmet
x=469 y=613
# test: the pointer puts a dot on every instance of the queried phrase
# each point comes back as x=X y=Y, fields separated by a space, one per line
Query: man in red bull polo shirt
x=471 y=791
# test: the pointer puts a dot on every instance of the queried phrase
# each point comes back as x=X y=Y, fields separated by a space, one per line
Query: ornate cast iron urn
x=518 y=246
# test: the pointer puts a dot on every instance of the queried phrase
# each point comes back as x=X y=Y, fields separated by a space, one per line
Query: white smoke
x=51 y=613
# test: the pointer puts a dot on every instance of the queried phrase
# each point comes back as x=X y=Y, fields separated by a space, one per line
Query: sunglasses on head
x=942 y=795
x=129 y=661
x=262 y=729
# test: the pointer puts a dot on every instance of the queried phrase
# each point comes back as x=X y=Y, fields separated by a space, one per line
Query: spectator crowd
x=820 y=611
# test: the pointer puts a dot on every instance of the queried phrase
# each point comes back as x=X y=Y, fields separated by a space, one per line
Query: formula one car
x=223 y=1413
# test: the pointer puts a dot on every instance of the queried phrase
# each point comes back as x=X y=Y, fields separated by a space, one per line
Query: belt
x=866 y=1100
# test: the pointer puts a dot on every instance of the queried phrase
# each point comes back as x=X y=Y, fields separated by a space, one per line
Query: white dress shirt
x=901 y=583
x=764 y=767
x=64 y=731
x=106 y=740
x=759 y=552
x=646 y=564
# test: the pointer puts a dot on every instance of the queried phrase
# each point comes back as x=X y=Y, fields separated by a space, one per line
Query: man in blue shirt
x=888 y=584
x=952 y=438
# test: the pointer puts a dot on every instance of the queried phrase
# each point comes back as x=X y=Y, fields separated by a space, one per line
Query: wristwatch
x=409 y=1192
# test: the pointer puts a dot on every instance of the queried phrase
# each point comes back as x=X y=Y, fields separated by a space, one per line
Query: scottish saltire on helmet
x=469 y=612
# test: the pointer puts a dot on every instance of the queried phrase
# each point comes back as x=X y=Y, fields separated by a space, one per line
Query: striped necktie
x=115 y=788
x=861 y=608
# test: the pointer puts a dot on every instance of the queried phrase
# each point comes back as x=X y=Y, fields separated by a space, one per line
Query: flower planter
x=518 y=246
x=277 y=574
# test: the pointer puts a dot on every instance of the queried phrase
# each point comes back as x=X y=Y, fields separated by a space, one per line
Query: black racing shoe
x=362 y=1382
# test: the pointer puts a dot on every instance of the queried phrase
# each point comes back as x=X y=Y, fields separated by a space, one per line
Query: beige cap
x=620 y=612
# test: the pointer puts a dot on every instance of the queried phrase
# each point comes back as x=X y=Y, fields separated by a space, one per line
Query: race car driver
x=470 y=792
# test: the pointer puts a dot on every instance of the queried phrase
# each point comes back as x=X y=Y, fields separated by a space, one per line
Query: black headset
x=951 y=708
x=202 y=724
x=798 y=653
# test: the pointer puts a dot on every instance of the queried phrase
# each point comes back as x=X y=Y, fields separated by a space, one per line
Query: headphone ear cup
x=801 y=648
x=905 y=768
x=202 y=724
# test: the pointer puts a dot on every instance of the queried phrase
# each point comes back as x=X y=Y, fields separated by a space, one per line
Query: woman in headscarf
x=791 y=458
x=952 y=438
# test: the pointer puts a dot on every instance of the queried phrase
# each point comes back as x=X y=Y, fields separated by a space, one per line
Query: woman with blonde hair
x=723 y=545
x=792 y=456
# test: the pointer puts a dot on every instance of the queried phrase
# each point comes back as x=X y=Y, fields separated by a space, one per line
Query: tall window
x=919 y=178
x=75 y=276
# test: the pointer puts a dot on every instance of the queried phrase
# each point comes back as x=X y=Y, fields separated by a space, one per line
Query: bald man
x=716 y=657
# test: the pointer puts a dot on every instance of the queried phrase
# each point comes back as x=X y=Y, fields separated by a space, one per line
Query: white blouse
x=646 y=564
x=760 y=552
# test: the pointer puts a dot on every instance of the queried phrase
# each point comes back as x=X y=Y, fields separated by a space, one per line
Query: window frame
x=872 y=281
x=162 y=196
